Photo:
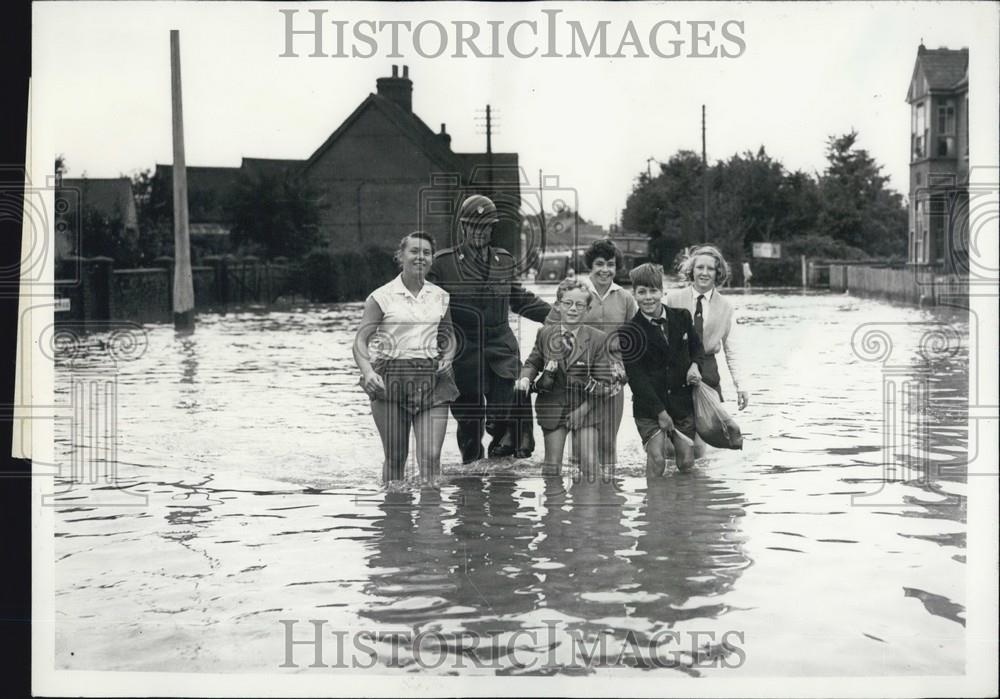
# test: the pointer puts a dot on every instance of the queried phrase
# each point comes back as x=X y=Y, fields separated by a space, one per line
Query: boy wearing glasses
x=571 y=368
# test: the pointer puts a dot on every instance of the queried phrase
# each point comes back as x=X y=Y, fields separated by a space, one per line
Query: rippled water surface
x=256 y=454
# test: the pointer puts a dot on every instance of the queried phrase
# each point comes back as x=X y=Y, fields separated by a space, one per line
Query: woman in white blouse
x=404 y=349
x=705 y=269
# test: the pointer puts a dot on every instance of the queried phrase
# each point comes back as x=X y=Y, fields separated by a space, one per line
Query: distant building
x=383 y=172
x=939 y=160
x=110 y=197
x=561 y=231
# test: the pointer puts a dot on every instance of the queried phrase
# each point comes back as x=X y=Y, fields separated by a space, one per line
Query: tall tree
x=274 y=214
x=746 y=202
x=154 y=215
x=668 y=206
x=858 y=208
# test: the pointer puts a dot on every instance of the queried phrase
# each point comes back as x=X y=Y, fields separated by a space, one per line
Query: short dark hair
x=605 y=250
x=398 y=255
x=648 y=275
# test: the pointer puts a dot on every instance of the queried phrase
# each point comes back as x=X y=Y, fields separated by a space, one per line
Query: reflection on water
x=494 y=558
x=260 y=462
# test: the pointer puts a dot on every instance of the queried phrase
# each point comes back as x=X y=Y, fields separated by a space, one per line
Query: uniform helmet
x=478 y=209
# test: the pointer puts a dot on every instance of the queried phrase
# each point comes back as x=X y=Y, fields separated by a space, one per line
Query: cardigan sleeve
x=732 y=355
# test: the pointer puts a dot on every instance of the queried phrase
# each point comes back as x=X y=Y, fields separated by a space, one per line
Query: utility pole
x=183 y=285
x=704 y=179
x=541 y=207
x=489 y=130
x=649 y=174
x=576 y=236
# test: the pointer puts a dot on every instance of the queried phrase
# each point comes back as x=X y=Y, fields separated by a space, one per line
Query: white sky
x=101 y=84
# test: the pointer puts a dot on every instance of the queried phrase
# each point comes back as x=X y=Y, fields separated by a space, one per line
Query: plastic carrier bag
x=712 y=422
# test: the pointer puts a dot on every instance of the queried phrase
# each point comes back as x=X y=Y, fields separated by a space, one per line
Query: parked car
x=553 y=266
x=635 y=251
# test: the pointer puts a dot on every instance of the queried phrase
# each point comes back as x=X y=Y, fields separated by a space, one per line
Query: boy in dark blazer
x=572 y=364
x=662 y=355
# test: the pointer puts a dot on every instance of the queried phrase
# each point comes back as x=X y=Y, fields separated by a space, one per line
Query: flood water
x=255 y=452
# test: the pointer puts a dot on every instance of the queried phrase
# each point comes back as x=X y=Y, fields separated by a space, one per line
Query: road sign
x=772 y=250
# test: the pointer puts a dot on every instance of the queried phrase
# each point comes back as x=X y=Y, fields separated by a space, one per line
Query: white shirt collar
x=398 y=287
x=663 y=312
x=590 y=284
x=708 y=295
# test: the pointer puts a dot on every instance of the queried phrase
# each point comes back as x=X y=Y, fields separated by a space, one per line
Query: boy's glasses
x=579 y=305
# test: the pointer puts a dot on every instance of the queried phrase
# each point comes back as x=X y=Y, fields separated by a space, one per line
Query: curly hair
x=605 y=250
x=398 y=255
x=569 y=285
x=686 y=265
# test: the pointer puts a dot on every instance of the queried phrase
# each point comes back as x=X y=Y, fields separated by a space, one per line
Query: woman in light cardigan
x=705 y=269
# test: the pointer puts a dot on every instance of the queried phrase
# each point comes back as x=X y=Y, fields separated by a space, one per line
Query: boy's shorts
x=647 y=427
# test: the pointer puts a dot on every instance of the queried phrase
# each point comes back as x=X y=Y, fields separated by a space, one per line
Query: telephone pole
x=489 y=130
x=704 y=179
x=541 y=207
x=183 y=285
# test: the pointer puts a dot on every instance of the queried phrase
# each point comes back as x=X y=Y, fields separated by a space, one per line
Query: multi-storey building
x=939 y=161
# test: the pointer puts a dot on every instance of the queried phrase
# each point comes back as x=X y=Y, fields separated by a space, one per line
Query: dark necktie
x=567 y=344
x=661 y=323
x=699 y=318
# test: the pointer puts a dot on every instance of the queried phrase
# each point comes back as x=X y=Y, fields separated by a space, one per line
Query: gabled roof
x=944 y=69
x=108 y=195
x=409 y=125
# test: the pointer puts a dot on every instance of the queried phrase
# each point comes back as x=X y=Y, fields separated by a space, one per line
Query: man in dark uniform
x=482 y=282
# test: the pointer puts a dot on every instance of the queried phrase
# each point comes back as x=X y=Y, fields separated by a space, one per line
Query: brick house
x=939 y=161
x=381 y=173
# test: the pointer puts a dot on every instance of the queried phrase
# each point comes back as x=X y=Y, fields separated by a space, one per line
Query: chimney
x=397 y=89
x=445 y=137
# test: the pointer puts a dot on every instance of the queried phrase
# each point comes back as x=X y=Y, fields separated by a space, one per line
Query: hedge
x=344 y=276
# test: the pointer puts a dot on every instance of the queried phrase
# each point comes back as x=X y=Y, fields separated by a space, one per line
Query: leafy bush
x=381 y=265
x=783 y=272
x=822 y=246
x=317 y=277
x=345 y=276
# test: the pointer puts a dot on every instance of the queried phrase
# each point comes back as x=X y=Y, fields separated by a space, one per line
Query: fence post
x=96 y=294
x=223 y=276
x=805 y=271
x=167 y=263
x=250 y=292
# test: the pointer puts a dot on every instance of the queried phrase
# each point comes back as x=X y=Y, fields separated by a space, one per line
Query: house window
x=946 y=130
x=946 y=118
x=937 y=231
x=920 y=226
x=918 y=130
